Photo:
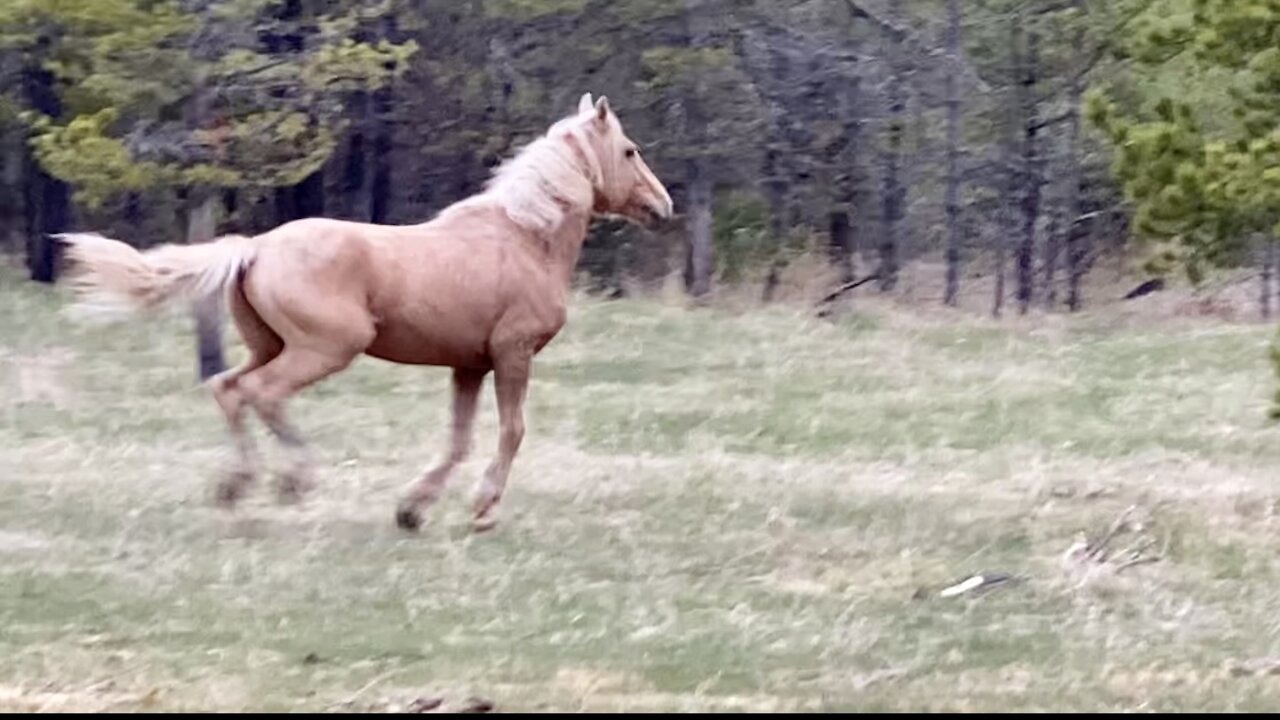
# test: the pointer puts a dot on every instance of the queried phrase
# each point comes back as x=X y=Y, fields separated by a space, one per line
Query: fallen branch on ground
x=1086 y=556
x=983 y=581
x=846 y=288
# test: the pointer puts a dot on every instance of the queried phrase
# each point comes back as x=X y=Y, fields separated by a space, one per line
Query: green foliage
x=532 y=9
x=1204 y=190
x=742 y=238
x=1200 y=187
x=82 y=149
x=647 y=11
x=351 y=66
x=671 y=66
x=721 y=114
x=157 y=93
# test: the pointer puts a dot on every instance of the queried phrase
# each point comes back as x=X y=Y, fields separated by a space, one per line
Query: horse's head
x=624 y=185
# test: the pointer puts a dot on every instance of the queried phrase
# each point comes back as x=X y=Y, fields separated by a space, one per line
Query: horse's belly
x=412 y=346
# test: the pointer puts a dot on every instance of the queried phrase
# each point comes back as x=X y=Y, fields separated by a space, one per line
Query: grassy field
x=712 y=511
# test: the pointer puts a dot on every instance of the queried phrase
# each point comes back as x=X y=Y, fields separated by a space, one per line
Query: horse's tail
x=113 y=279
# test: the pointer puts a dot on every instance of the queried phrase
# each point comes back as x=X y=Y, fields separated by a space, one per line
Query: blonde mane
x=546 y=180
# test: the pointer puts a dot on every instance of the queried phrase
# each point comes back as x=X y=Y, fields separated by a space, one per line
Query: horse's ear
x=585 y=104
x=602 y=108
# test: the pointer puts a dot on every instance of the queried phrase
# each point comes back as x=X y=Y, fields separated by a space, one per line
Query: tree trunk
x=854 y=179
x=954 y=230
x=701 y=239
x=1030 y=169
x=202 y=227
x=1268 y=268
x=1053 y=243
x=1275 y=257
x=15 y=167
x=1077 y=232
x=849 y=184
x=301 y=201
x=997 y=303
x=379 y=171
x=357 y=175
x=233 y=221
x=52 y=211
x=310 y=196
x=893 y=193
x=286 y=204
x=379 y=174
x=1008 y=222
x=842 y=244
x=132 y=211
x=1006 y=228
x=775 y=185
x=31 y=187
x=48 y=198
x=1075 y=182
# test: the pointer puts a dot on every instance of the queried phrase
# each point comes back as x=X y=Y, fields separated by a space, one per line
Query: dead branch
x=847 y=287
x=1137 y=561
x=1097 y=551
x=1085 y=557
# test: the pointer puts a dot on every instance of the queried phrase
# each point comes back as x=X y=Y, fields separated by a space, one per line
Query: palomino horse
x=481 y=287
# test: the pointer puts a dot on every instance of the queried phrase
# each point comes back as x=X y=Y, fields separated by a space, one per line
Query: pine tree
x=1205 y=183
x=201 y=96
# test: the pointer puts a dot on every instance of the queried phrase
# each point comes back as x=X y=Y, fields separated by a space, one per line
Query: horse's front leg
x=511 y=381
x=428 y=489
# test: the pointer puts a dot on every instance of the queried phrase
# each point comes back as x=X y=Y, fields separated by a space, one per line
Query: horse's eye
x=631 y=152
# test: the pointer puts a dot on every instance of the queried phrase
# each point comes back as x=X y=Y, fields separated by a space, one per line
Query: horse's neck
x=558 y=246
x=563 y=244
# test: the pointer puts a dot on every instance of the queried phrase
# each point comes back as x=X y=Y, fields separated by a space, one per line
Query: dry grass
x=714 y=511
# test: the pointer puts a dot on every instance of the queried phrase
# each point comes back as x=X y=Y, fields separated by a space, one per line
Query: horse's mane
x=546 y=179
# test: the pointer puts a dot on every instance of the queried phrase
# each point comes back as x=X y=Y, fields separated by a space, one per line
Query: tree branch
x=1052 y=121
x=896 y=33
x=848 y=287
x=250 y=72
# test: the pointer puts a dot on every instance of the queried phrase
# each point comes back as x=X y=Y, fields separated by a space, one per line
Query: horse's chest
x=541 y=323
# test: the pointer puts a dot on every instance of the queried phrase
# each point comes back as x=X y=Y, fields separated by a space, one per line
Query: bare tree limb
x=860 y=11
x=848 y=287
x=1098 y=550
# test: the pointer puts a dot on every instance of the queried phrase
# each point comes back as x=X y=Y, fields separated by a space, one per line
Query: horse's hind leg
x=269 y=388
x=263 y=345
x=427 y=490
x=228 y=396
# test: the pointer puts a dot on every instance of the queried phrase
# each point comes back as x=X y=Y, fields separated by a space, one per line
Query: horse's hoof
x=288 y=497
x=408 y=518
x=483 y=525
x=293 y=489
x=227 y=496
x=231 y=490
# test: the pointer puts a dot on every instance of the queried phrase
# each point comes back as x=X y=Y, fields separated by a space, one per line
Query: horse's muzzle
x=660 y=211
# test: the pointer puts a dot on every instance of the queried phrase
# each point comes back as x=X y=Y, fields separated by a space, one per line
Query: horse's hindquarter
x=308 y=282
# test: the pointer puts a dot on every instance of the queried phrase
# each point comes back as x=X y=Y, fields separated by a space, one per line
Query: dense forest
x=1028 y=143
